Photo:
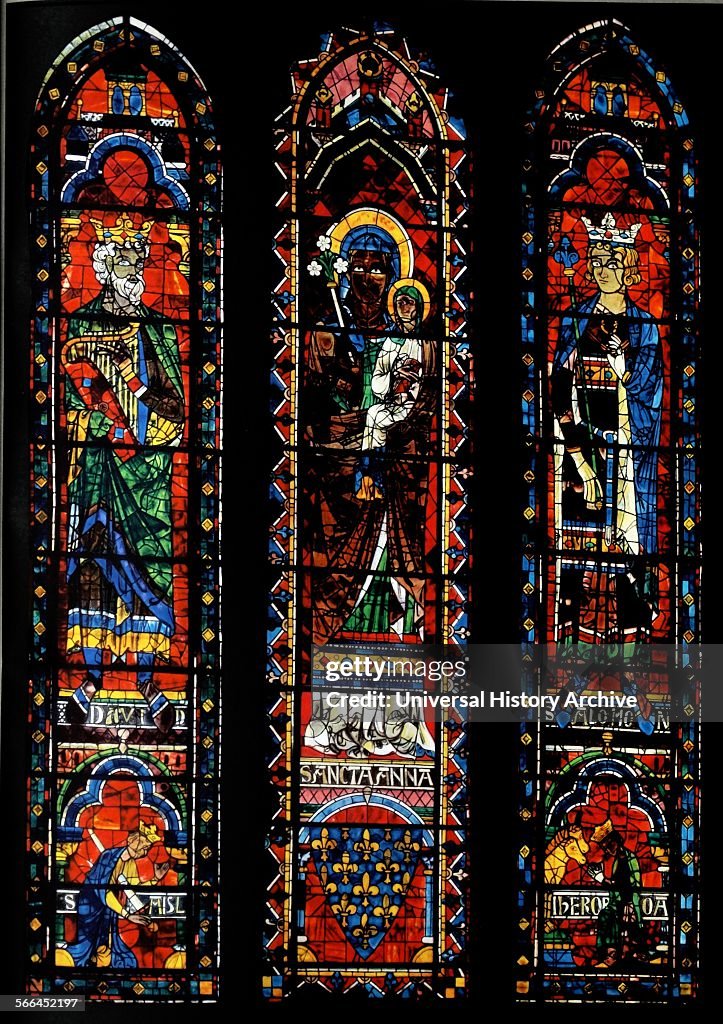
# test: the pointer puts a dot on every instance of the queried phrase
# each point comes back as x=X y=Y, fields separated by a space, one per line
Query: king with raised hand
x=125 y=415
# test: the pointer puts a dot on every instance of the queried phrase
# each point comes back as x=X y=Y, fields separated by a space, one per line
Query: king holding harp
x=124 y=408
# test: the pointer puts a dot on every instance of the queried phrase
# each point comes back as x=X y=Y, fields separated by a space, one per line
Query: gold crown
x=123 y=231
x=602 y=831
x=149 y=831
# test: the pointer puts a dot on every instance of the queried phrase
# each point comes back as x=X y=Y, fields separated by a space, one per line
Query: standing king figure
x=125 y=414
x=607 y=394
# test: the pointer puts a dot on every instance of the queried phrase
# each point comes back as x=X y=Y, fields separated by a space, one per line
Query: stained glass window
x=369 y=539
x=608 y=906
x=125 y=395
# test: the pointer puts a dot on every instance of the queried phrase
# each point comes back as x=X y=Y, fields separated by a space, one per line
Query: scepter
x=566 y=255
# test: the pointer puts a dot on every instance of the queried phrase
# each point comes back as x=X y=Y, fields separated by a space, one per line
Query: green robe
x=120 y=507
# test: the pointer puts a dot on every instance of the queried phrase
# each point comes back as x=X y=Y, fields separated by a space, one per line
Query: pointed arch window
x=371 y=380
x=611 y=566
x=125 y=203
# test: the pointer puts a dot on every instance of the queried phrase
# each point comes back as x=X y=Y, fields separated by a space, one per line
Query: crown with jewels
x=149 y=831
x=609 y=234
x=123 y=231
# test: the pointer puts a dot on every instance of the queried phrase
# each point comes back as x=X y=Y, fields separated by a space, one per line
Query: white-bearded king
x=125 y=414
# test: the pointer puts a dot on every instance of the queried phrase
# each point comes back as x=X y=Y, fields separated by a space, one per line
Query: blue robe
x=96 y=920
x=644 y=391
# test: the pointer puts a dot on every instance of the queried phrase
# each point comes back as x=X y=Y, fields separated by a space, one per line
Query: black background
x=491 y=54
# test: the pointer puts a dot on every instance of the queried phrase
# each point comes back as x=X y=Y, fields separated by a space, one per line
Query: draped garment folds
x=119 y=483
x=644 y=393
x=97 y=922
x=346 y=531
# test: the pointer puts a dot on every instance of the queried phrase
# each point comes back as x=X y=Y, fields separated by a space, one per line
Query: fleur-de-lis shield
x=365 y=874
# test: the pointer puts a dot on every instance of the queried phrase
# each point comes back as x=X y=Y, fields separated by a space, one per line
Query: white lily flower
x=324 y=243
x=341 y=265
x=314 y=268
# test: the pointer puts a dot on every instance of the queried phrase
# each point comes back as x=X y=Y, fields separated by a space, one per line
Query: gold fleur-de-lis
x=402 y=885
x=386 y=866
x=407 y=845
x=345 y=867
x=365 y=889
x=327 y=886
x=344 y=908
x=388 y=911
x=366 y=845
x=365 y=931
x=324 y=843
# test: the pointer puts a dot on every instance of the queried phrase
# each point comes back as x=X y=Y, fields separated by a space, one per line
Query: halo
x=362 y=216
x=394 y=288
